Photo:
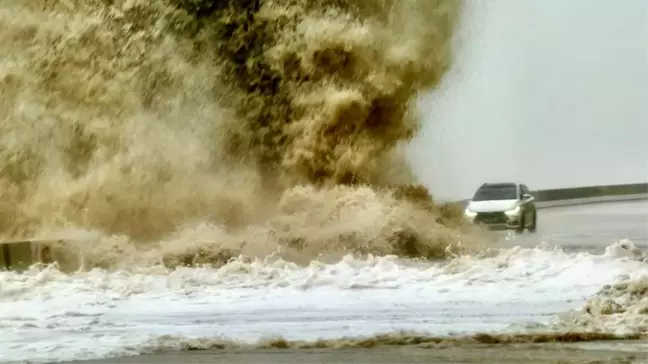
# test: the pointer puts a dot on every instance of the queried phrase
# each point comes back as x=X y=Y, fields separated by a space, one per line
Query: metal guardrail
x=20 y=254
x=586 y=195
x=590 y=200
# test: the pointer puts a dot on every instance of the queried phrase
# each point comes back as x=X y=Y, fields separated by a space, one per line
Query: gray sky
x=553 y=93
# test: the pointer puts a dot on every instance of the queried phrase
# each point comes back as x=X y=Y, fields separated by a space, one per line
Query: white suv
x=503 y=206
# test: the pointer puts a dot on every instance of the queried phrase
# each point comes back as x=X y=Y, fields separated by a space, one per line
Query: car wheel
x=534 y=224
x=520 y=228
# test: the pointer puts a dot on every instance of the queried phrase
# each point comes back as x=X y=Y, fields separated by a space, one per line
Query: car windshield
x=496 y=192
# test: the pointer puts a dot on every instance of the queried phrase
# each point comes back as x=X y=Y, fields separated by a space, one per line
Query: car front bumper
x=496 y=220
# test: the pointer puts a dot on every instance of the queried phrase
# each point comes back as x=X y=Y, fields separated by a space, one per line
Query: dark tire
x=520 y=228
x=534 y=224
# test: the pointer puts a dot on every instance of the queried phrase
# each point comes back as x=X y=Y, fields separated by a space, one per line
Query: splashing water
x=196 y=130
x=505 y=296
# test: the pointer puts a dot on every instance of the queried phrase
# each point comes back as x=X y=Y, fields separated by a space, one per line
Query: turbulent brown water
x=392 y=339
x=195 y=130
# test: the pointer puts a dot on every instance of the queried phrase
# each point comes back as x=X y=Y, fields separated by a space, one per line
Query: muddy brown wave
x=194 y=131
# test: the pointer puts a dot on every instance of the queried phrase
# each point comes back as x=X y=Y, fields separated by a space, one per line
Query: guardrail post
x=6 y=257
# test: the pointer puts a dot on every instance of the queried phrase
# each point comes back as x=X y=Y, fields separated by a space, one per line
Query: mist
x=546 y=92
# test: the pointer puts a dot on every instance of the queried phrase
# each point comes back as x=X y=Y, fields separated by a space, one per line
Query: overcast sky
x=552 y=93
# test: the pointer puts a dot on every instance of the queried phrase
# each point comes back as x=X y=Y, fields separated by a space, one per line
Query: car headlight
x=469 y=213
x=513 y=211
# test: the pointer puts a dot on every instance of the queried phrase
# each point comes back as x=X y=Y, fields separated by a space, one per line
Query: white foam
x=49 y=316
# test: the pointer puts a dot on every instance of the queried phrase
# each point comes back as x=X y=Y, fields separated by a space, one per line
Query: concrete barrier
x=21 y=254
